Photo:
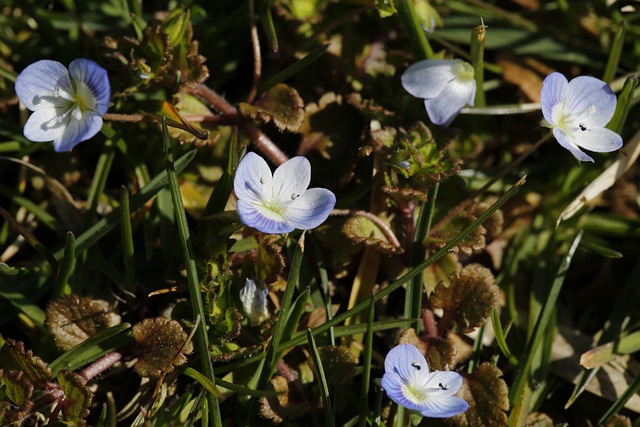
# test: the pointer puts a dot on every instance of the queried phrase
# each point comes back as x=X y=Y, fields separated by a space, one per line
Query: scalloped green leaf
x=14 y=357
x=77 y=398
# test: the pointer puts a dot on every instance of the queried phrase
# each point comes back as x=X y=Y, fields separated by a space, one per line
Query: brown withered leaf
x=14 y=357
x=520 y=75
x=469 y=297
x=362 y=231
x=281 y=104
x=269 y=258
x=619 y=421
x=338 y=362
x=161 y=345
x=487 y=395
x=15 y=397
x=441 y=353
x=71 y=320
x=409 y=336
x=319 y=316
x=285 y=406
x=440 y=271
x=77 y=397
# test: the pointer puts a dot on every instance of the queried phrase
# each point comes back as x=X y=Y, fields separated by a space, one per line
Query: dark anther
x=444 y=387
x=416 y=365
x=582 y=127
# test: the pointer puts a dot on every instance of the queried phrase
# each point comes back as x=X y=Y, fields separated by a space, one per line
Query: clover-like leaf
x=161 y=344
x=363 y=231
x=285 y=406
x=338 y=362
x=487 y=395
x=15 y=397
x=14 y=357
x=71 y=320
x=281 y=104
x=469 y=297
x=75 y=407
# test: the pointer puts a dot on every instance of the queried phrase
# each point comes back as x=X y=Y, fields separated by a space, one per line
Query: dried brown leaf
x=71 y=320
x=285 y=406
x=487 y=395
x=469 y=297
x=281 y=104
x=161 y=345
x=338 y=362
x=362 y=231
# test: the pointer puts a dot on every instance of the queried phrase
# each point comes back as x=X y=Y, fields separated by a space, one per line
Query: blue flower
x=67 y=105
x=254 y=302
x=281 y=202
x=409 y=383
x=445 y=85
x=578 y=112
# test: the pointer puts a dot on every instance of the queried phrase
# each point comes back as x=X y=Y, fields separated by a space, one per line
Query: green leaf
x=329 y=418
x=385 y=8
x=14 y=357
x=280 y=104
x=77 y=397
x=15 y=397
x=363 y=231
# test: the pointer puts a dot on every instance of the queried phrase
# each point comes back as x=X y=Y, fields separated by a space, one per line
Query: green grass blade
x=267 y=24
x=202 y=339
x=413 y=296
x=517 y=387
x=411 y=24
x=324 y=285
x=108 y=223
x=618 y=405
x=377 y=409
x=329 y=419
x=126 y=237
x=93 y=348
x=478 y=36
x=615 y=52
x=366 y=366
x=62 y=286
x=205 y=382
x=500 y=337
x=103 y=167
x=31 y=239
x=296 y=312
x=43 y=217
x=625 y=100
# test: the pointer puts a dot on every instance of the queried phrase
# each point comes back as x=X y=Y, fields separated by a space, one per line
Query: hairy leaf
x=161 y=344
x=285 y=406
x=469 y=297
x=71 y=320
x=14 y=357
x=486 y=393
x=362 y=231
x=280 y=104
x=15 y=394
x=474 y=242
x=77 y=397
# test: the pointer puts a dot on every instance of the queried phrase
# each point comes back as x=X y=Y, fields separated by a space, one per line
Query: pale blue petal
x=261 y=219
x=36 y=85
x=443 y=407
x=405 y=360
x=554 y=89
x=252 y=181
x=444 y=383
x=566 y=143
x=427 y=79
x=77 y=131
x=590 y=94
x=600 y=140
x=446 y=106
x=44 y=125
x=94 y=76
x=291 y=179
x=392 y=384
x=311 y=208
